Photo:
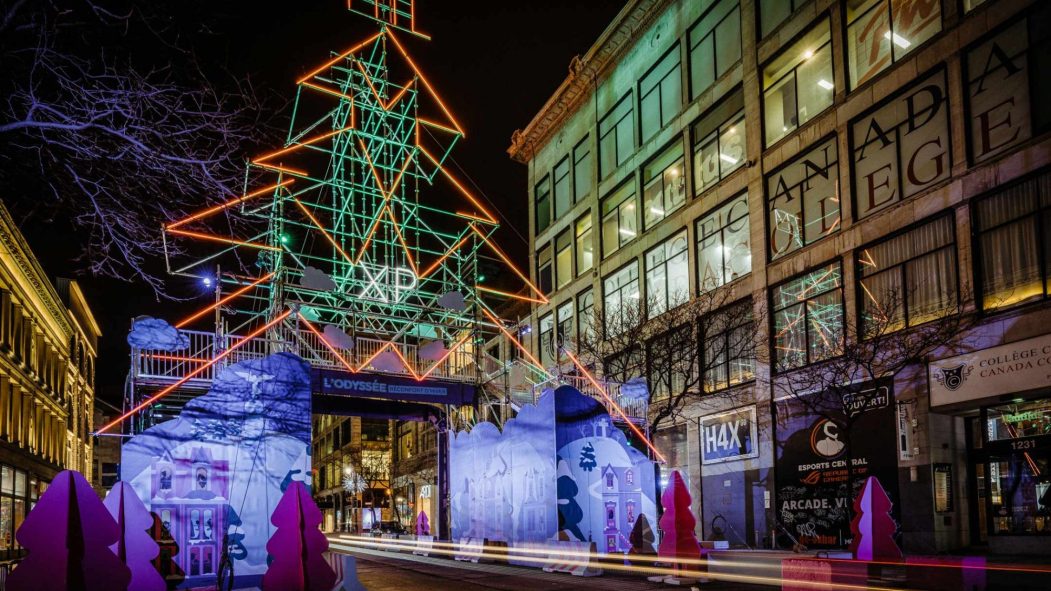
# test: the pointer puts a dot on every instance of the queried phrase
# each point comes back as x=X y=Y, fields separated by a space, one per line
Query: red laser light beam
x=239 y=343
x=328 y=345
x=207 y=212
x=613 y=403
x=227 y=298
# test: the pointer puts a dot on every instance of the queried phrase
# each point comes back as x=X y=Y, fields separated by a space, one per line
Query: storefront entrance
x=1010 y=460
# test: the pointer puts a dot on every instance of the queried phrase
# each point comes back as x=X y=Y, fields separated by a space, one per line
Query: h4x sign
x=729 y=436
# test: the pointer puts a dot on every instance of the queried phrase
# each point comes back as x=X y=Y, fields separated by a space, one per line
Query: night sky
x=494 y=63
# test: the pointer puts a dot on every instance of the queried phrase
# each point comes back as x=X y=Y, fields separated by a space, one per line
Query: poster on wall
x=729 y=436
x=816 y=439
x=222 y=465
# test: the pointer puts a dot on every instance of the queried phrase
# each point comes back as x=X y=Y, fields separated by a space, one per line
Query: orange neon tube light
x=207 y=212
x=328 y=91
x=426 y=84
x=446 y=356
x=279 y=168
x=227 y=298
x=327 y=344
x=223 y=240
x=448 y=253
x=507 y=333
x=405 y=362
x=514 y=268
x=613 y=403
x=508 y=294
x=457 y=184
x=404 y=244
x=368 y=237
x=318 y=225
x=343 y=55
x=193 y=373
x=302 y=144
x=373 y=356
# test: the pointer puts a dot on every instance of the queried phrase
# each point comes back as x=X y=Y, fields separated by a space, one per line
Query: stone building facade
x=48 y=347
x=810 y=158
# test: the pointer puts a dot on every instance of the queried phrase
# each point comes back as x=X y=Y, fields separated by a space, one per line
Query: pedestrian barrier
x=424 y=545
x=571 y=557
x=470 y=549
x=346 y=568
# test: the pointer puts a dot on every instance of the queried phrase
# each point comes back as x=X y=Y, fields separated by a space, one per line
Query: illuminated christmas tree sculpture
x=334 y=250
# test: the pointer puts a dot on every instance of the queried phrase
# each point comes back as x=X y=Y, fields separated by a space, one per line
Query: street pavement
x=386 y=571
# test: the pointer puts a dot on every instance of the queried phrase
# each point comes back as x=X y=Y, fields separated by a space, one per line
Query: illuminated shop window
x=798 y=83
x=664 y=185
x=619 y=218
x=881 y=32
x=808 y=318
x=724 y=251
x=719 y=142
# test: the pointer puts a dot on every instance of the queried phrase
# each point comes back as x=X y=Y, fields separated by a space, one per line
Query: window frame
x=699 y=236
x=724 y=334
x=567 y=235
x=760 y=35
x=579 y=311
x=737 y=118
x=668 y=303
x=540 y=263
x=614 y=130
x=953 y=246
x=633 y=263
x=658 y=87
x=659 y=177
x=913 y=46
x=797 y=159
x=826 y=21
x=691 y=45
x=567 y=179
x=542 y=196
x=578 y=157
x=628 y=186
x=776 y=367
x=578 y=243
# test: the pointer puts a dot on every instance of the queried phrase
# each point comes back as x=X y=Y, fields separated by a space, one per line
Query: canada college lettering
x=1014 y=361
x=902 y=147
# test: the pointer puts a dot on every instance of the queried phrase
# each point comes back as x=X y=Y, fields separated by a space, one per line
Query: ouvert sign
x=1007 y=369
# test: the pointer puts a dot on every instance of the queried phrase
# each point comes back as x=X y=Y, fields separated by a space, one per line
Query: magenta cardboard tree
x=679 y=541
x=68 y=535
x=297 y=547
x=135 y=547
x=873 y=527
x=423 y=525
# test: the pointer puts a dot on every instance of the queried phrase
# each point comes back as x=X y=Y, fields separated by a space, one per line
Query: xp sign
x=729 y=436
x=386 y=284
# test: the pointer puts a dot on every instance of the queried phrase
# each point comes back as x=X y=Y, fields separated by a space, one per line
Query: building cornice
x=584 y=75
x=16 y=246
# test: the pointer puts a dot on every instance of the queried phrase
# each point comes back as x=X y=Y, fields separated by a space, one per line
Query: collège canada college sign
x=1007 y=369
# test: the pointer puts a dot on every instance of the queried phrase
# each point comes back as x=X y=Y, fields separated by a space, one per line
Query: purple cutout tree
x=873 y=527
x=135 y=547
x=677 y=522
x=68 y=535
x=423 y=525
x=298 y=545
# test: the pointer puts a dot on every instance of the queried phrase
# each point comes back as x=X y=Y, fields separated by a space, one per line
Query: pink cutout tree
x=872 y=526
x=135 y=546
x=68 y=535
x=677 y=523
x=423 y=525
x=297 y=545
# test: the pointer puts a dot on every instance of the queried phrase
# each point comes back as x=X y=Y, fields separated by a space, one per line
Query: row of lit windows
x=903 y=280
x=897 y=149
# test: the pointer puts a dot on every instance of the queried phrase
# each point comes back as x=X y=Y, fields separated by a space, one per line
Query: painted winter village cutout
x=223 y=464
x=560 y=470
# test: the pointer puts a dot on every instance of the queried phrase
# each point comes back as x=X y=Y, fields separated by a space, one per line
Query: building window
x=881 y=32
x=547 y=340
x=729 y=347
x=585 y=246
x=13 y=499
x=667 y=275
x=543 y=204
x=774 y=12
x=625 y=365
x=909 y=279
x=619 y=218
x=563 y=197
x=620 y=298
x=1014 y=243
x=798 y=83
x=564 y=319
x=544 y=270
x=661 y=94
x=719 y=142
x=585 y=315
x=564 y=258
x=715 y=45
x=724 y=251
x=808 y=317
x=672 y=362
x=616 y=138
x=803 y=199
x=969 y=5
x=582 y=174
x=1001 y=112
x=902 y=147
x=664 y=185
